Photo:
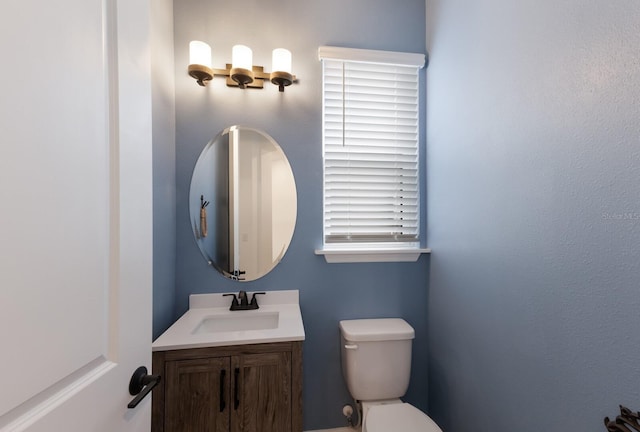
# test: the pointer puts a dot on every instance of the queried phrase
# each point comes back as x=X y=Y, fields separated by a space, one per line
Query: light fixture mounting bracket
x=258 y=77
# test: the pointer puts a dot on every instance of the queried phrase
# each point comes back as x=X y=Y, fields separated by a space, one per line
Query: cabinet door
x=197 y=395
x=262 y=393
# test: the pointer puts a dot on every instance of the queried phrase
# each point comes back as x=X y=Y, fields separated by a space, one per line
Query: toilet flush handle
x=351 y=347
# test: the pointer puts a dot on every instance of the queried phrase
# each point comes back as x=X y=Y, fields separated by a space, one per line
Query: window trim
x=368 y=252
x=372 y=255
x=371 y=56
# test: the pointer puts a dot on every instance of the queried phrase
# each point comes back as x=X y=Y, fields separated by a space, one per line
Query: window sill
x=371 y=255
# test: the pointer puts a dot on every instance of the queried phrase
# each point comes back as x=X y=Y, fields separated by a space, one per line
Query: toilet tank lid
x=378 y=329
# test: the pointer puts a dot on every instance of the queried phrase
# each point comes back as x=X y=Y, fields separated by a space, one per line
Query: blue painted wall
x=164 y=165
x=328 y=293
x=534 y=213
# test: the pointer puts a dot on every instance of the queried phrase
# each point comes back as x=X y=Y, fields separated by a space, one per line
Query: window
x=370 y=150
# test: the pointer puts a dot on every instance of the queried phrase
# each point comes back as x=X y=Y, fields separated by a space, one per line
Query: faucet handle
x=234 y=302
x=254 y=300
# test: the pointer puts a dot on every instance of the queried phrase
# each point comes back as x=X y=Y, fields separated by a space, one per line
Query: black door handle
x=141 y=385
x=236 y=397
x=223 y=405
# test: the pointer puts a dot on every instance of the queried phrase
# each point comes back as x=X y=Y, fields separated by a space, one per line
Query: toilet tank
x=376 y=357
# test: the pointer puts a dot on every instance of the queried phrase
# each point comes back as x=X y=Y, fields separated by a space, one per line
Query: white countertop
x=183 y=333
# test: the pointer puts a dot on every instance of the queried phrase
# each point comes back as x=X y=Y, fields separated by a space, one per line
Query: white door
x=75 y=214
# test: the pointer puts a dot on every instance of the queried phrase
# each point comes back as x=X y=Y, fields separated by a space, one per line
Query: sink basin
x=210 y=323
x=237 y=321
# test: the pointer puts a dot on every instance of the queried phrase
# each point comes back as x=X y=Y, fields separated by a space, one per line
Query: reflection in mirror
x=243 y=203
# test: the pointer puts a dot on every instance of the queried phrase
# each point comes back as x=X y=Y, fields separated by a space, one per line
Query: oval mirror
x=243 y=203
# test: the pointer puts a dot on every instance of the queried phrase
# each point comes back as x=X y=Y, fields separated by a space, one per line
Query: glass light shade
x=242 y=57
x=199 y=53
x=281 y=60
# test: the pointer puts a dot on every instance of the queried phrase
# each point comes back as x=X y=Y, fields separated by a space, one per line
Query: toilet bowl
x=398 y=417
x=376 y=365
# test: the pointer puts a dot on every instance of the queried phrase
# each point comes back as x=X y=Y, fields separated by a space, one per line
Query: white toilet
x=376 y=364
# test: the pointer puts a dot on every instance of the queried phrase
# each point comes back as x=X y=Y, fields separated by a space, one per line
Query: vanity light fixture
x=241 y=72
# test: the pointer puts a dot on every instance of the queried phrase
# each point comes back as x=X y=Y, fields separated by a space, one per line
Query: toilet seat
x=398 y=417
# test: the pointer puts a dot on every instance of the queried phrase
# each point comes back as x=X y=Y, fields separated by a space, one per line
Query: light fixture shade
x=200 y=62
x=199 y=53
x=242 y=57
x=281 y=64
x=281 y=60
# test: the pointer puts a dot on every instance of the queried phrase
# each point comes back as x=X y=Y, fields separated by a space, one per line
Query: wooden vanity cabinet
x=243 y=388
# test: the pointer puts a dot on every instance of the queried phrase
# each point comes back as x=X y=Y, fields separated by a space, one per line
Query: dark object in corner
x=241 y=303
x=627 y=421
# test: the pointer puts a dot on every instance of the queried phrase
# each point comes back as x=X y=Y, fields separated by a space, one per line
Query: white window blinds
x=370 y=146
